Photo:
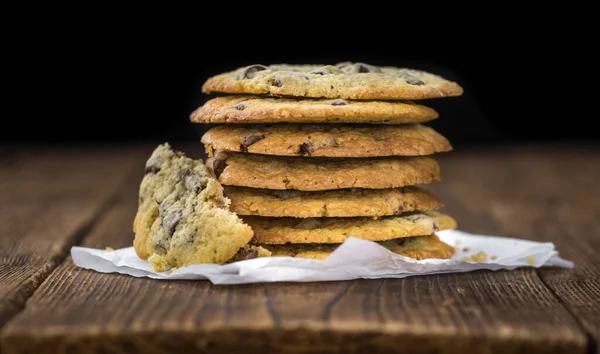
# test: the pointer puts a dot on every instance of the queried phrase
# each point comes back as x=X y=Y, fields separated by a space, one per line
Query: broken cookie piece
x=183 y=217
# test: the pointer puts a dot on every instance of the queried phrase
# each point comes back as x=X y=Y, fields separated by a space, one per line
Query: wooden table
x=54 y=198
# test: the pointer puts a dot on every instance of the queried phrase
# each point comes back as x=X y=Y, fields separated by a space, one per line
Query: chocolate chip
x=326 y=70
x=305 y=149
x=172 y=223
x=362 y=68
x=240 y=106
x=218 y=201
x=359 y=68
x=400 y=210
x=399 y=241
x=171 y=218
x=151 y=169
x=339 y=102
x=160 y=246
x=416 y=218
x=414 y=81
x=422 y=220
x=249 y=71
x=411 y=79
x=277 y=82
x=192 y=181
x=249 y=255
x=190 y=237
x=249 y=140
x=366 y=68
x=219 y=166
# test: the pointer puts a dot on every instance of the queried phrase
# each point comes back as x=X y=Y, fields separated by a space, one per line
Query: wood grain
x=48 y=200
x=547 y=194
x=510 y=312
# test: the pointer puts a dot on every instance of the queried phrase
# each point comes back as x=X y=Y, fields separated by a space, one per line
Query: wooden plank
x=80 y=310
x=542 y=194
x=48 y=199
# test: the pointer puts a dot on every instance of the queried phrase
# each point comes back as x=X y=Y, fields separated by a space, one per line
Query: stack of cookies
x=311 y=155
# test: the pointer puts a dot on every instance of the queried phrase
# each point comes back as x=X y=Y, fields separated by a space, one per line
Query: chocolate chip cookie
x=335 y=203
x=319 y=173
x=183 y=217
x=420 y=247
x=327 y=140
x=357 y=81
x=256 y=109
x=337 y=230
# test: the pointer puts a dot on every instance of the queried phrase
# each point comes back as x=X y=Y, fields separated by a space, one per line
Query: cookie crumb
x=479 y=257
x=447 y=302
x=158 y=262
x=530 y=260
x=466 y=249
x=107 y=248
x=493 y=258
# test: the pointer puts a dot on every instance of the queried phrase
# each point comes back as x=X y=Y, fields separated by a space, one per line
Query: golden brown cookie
x=327 y=140
x=257 y=109
x=337 y=230
x=419 y=247
x=358 y=81
x=183 y=217
x=315 y=174
x=334 y=203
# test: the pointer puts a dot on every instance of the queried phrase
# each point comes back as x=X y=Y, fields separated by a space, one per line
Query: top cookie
x=357 y=81
x=244 y=109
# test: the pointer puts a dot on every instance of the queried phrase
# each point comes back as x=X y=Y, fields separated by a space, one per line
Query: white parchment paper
x=354 y=259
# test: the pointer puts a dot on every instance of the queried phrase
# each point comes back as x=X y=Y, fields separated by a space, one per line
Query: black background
x=141 y=83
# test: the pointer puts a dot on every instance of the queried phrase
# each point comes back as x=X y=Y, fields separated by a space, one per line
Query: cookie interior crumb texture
x=183 y=217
